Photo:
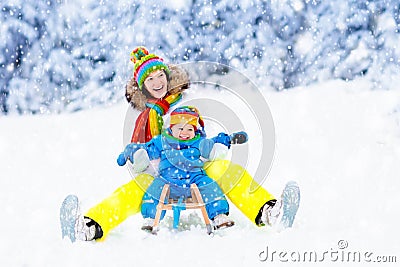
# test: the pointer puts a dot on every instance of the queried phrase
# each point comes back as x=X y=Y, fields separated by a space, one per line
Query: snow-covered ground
x=340 y=141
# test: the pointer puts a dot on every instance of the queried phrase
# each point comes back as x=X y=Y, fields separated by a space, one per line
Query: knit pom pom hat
x=145 y=63
x=187 y=115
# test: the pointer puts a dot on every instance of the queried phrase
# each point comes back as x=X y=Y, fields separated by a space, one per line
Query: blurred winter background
x=68 y=55
x=329 y=71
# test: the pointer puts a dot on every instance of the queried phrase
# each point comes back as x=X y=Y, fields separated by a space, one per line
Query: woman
x=153 y=90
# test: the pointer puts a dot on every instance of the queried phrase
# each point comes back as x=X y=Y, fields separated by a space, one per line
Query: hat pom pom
x=138 y=53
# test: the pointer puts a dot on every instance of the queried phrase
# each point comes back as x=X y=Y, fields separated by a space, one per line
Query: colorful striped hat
x=145 y=64
x=187 y=115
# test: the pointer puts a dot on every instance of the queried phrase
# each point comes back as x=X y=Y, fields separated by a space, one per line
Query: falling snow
x=65 y=56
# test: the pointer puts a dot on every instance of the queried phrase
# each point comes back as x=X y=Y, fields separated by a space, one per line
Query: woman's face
x=156 y=84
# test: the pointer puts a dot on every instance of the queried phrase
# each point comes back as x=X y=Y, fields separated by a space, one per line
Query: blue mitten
x=239 y=138
x=127 y=154
x=121 y=159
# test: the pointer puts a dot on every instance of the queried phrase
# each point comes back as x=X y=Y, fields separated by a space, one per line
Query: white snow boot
x=83 y=231
x=270 y=212
x=87 y=230
x=282 y=211
x=76 y=226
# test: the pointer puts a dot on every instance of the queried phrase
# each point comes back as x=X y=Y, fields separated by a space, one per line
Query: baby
x=180 y=149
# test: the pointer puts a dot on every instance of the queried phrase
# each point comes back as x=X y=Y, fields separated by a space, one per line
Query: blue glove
x=223 y=138
x=127 y=154
x=239 y=138
x=121 y=159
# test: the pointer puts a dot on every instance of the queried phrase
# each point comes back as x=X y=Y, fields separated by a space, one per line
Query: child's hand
x=140 y=158
x=128 y=153
x=121 y=159
x=239 y=138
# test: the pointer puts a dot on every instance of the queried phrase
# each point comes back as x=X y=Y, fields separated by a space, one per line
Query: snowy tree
x=23 y=28
x=54 y=58
x=67 y=55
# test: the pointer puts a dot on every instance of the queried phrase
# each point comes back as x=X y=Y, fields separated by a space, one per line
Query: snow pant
x=236 y=183
x=214 y=199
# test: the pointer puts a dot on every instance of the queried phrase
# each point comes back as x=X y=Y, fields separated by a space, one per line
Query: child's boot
x=148 y=225
x=222 y=221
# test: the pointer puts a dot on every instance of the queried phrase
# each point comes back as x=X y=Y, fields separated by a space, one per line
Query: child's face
x=183 y=131
x=156 y=83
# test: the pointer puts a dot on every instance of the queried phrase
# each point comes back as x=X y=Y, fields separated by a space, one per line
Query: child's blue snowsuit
x=180 y=165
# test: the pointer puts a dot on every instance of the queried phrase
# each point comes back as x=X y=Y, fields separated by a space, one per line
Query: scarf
x=150 y=122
